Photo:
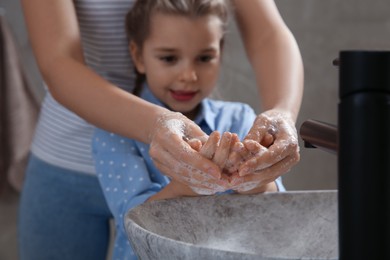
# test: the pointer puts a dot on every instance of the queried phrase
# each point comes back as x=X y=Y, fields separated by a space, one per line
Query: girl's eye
x=206 y=58
x=168 y=59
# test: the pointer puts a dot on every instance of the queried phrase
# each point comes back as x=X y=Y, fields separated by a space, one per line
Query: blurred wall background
x=322 y=29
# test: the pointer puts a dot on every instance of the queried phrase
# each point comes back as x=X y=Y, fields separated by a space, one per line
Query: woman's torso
x=62 y=138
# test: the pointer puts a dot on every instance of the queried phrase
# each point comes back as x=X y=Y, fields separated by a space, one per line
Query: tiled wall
x=322 y=29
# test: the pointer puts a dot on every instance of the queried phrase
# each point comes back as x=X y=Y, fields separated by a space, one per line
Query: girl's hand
x=217 y=148
x=175 y=157
x=275 y=130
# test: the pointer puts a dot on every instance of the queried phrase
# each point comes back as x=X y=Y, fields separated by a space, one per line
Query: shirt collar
x=206 y=114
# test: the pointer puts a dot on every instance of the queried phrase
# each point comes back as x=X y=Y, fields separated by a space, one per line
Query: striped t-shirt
x=62 y=138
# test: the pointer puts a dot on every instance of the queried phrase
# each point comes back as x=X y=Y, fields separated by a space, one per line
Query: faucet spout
x=317 y=134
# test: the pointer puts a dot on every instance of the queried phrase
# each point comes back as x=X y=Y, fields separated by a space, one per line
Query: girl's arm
x=55 y=38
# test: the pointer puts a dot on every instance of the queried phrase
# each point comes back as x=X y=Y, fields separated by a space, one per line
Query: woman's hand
x=174 y=189
x=271 y=150
x=175 y=157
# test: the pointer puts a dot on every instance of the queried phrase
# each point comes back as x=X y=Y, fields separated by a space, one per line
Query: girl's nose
x=189 y=74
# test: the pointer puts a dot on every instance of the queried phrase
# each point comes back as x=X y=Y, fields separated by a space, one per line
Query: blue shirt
x=127 y=174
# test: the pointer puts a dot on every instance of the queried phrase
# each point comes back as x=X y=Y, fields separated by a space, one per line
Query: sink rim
x=130 y=223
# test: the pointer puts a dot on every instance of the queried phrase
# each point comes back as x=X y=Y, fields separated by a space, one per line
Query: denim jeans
x=63 y=215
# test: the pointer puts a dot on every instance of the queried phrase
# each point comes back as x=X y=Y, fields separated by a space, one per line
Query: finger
x=252 y=146
x=267 y=140
x=247 y=183
x=209 y=148
x=258 y=130
x=195 y=144
x=236 y=157
x=191 y=177
x=269 y=187
x=169 y=173
x=223 y=150
x=247 y=186
x=192 y=130
x=240 y=149
x=215 y=185
x=277 y=152
x=239 y=185
x=235 y=139
x=202 y=139
x=186 y=174
x=254 y=149
x=203 y=191
x=242 y=153
x=269 y=174
x=195 y=179
x=178 y=153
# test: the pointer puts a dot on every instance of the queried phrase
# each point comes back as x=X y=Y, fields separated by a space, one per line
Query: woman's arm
x=55 y=38
x=273 y=53
x=276 y=60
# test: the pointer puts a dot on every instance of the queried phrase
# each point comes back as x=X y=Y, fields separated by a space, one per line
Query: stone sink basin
x=290 y=225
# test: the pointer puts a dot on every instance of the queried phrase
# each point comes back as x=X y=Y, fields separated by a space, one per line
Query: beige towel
x=18 y=112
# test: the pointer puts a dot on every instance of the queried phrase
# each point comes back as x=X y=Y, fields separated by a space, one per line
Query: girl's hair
x=138 y=19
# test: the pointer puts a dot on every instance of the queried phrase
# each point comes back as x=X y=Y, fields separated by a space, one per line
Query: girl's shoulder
x=229 y=116
x=230 y=107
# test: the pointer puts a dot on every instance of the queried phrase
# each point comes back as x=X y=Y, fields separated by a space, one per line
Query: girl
x=176 y=46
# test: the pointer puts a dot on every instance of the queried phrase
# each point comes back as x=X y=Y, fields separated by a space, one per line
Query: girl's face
x=181 y=59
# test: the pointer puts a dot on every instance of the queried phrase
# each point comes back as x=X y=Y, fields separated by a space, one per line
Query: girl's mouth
x=182 y=95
